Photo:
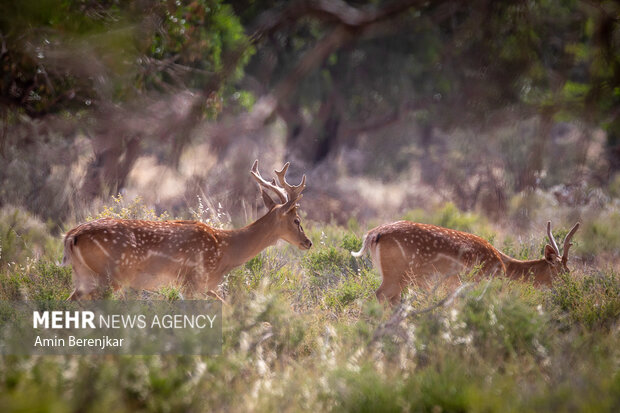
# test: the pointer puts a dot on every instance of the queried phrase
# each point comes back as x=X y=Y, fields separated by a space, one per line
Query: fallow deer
x=411 y=253
x=149 y=254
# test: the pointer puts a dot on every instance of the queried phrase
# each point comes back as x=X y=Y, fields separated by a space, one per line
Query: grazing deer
x=150 y=254
x=411 y=253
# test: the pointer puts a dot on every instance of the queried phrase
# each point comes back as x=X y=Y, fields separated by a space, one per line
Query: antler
x=266 y=184
x=286 y=192
x=551 y=239
x=567 y=243
x=293 y=191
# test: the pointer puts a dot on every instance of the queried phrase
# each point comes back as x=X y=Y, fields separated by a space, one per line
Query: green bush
x=40 y=280
x=360 y=285
x=591 y=300
x=351 y=243
x=326 y=265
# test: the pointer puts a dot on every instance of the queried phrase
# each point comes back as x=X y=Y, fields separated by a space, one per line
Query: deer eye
x=297 y=221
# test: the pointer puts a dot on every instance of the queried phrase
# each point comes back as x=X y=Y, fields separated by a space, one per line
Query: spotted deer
x=411 y=253
x=150 y=254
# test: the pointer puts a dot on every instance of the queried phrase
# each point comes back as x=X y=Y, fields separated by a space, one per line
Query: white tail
x=411 y=253
x=363 y=249
x=150 y=254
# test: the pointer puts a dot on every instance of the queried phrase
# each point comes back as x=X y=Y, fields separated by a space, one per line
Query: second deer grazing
x=151 y=254
x=411 y=253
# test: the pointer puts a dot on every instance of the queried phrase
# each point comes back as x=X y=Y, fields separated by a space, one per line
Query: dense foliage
x=302 y=331
x=74 y=55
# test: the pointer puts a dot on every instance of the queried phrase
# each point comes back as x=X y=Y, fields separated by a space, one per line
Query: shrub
x=40 y=280
x=359 y=285
x=326 y=265
x=591 y=300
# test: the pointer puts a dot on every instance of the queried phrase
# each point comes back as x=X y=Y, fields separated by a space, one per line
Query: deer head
x=284 y=208
x=557 y=262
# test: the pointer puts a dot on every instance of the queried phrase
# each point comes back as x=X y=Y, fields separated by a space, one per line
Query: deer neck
x=518 y=269
x=241 y=245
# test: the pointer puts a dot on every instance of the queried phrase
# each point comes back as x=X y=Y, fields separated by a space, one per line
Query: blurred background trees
x=484 y=98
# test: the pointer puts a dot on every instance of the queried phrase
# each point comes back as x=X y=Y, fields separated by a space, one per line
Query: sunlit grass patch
x=35 y=280
x=134 y=209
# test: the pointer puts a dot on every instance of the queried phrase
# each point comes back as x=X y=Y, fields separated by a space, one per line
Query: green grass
x=303 y=332
x=41 y=280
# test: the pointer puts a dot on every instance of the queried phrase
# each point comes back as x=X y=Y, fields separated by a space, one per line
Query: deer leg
x=79 y=295
x=211 y=284
x=192 y=284
x=85 y=281
x=389 y=291
x=212 y=292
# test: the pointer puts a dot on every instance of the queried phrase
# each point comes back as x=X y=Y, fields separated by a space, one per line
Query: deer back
x=123 y=247
x=429 y=248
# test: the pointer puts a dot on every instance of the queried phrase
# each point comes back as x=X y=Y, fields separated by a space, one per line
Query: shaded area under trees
x=141 y=75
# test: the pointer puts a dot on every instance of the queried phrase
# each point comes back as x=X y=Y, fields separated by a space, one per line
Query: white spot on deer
x=375 y=257
x=101 y=247
x=402 y=250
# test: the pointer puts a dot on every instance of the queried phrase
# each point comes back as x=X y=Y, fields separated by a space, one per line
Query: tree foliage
x=454 y=63
x=132 y=75
x=73 y=54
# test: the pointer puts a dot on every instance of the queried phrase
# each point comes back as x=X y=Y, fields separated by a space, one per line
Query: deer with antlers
x=149 y=254
x=411 y=253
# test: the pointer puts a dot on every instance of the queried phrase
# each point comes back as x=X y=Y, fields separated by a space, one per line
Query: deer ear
x=269 y=202
x=550 y=253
